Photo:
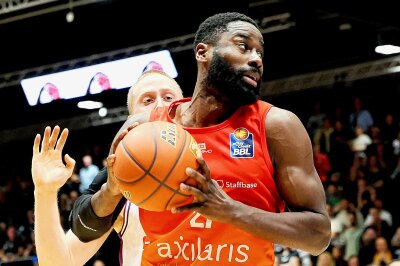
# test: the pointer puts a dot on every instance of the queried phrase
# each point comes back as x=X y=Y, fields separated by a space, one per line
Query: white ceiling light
x=90 y=105
x=103 y=112
x=387 y=49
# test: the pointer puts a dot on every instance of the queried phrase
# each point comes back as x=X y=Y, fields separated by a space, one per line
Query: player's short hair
x=145 y=74
x=210 y=29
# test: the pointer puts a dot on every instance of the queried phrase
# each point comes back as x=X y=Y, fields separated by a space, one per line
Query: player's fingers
x=197 y=193
x=54 y=137
x=200 y=179
x=133 y=126
x=36 y=144
x=110 y=164
x=204 y=167
x=63 y=138
x=45 y=141
x=190 y=207
x=110 y=160
x=118 y=140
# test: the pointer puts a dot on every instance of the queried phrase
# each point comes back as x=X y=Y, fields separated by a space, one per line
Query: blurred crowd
x=356 y=153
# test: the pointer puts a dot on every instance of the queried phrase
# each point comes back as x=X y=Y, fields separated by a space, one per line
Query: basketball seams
x=162 y=182
x=146 y=172
x=176 y=191
x=163 y=164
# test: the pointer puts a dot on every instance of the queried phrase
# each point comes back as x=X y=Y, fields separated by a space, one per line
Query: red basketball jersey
x=236 y=152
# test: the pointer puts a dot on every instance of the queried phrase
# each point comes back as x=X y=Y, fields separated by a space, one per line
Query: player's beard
x=229 y=82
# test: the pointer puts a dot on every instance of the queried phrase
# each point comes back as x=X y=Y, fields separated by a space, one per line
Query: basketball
x=151 y=163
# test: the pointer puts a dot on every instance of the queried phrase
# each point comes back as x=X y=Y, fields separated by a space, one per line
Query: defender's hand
x=111 y=187
x=49 y=172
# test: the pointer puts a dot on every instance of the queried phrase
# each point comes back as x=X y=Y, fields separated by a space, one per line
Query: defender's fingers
x=70 y=163
x=63 y=138
x=110 y=164
x=133 y=126
x=54 y=137
x=118 y=140
x=45 y=141
x=36 y=144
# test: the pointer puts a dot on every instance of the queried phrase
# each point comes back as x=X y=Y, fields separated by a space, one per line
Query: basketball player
x=153 y=89
x=259 y=159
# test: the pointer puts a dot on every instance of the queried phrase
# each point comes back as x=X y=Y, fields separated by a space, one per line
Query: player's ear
x=201 y=51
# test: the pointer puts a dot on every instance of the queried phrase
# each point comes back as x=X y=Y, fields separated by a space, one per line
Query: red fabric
x=236 y=152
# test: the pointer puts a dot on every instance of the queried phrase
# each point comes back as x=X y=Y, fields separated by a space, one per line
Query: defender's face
x=154 y=91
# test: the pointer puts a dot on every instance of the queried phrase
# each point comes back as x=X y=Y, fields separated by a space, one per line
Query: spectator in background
x=360 y=143
x=340 y=153
x=13 y=246
x=315 y=121
x=322 y=164
x=366 y=201
x=382 y=227
x=388 y=129
x=323 y=135
x=286 y=256
x=383 y=255
x=360 y=117
x=396 y=145
x=395 y=243
x=367 y=249
x=333 y=195
x=337 y=255
x=351 y=236
x=383 y=214
x=374 y=173
x=343 y=209
x=87 y=173
x=325 y=259
x=353 y=261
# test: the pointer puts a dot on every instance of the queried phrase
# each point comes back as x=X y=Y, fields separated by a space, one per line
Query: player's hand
x=49 y=172
x=210 y=200
x=111 y=186
x=121 y=135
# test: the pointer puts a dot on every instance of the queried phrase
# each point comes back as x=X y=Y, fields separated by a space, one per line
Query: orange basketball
x=150 y=164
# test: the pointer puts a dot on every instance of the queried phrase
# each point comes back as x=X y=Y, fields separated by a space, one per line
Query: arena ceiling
x=301 y=36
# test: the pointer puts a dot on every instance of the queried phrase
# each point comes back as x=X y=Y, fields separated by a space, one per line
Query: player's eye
x=148 y=100
x=169 y=98
x=242 y=45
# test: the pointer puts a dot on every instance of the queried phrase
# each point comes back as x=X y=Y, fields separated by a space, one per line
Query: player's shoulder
x=279 y=117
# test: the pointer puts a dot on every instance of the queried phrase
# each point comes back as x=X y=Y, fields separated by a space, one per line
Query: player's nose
x=159 y=102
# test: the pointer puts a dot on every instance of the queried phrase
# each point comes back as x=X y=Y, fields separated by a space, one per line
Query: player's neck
x=203 y=110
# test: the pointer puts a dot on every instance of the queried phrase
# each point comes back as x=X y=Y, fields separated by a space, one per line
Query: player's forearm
x=306 y=230
x=105 y=202
x=51 y=245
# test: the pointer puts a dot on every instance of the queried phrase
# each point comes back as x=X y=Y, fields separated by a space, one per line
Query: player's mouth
x=251 y=79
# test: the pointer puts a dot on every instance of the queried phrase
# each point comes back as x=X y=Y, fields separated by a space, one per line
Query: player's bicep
x=291 y=151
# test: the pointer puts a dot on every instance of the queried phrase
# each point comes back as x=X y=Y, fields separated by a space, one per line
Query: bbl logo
x=241 y=143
